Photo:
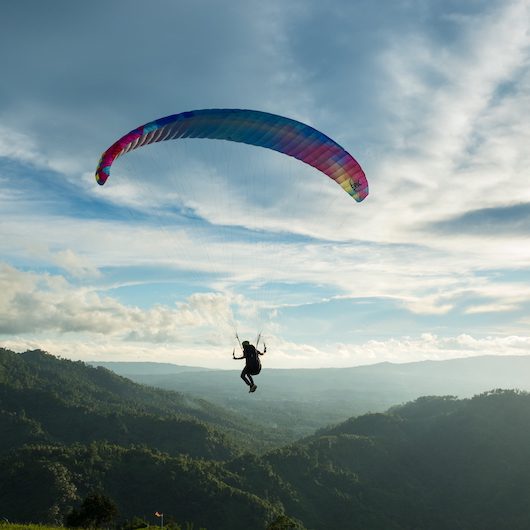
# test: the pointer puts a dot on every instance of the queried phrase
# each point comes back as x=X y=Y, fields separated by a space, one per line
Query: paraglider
x=257 y=128
x=252 y=363
x=252 y=127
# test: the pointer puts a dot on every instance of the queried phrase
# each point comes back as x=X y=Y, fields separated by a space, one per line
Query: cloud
x=33 y=303
x=75 y=265
x=46 y=304
x=275 y=272
x=445 y=107
x=491 y=308
x=286 y=354
x=43 y=310
x=496 y=221
x=433 y=347
x=18 y=146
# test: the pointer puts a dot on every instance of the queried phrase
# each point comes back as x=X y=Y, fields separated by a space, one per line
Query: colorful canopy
x=252 y=127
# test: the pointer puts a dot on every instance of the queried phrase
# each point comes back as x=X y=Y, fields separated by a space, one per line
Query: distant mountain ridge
x=489 y=370
x=139 y=367
x=313 y=398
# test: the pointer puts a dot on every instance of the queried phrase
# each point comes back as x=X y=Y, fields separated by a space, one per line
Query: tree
x=283 y=522
x=96 y=510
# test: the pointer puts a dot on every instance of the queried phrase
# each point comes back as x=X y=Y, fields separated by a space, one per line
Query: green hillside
x=437 y=463
x=45 y=399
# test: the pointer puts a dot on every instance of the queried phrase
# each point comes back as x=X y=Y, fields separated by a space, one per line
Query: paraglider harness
x=251 y=355
x=252 y=359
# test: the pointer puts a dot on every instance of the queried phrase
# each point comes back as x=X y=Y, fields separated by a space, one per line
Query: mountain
x=128 y=369
x=41 y=483
x=296 y=402
x=46 y=399
x=436 y=462
x=69 y=429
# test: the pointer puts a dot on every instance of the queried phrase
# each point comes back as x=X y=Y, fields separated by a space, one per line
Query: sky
x=193 y=240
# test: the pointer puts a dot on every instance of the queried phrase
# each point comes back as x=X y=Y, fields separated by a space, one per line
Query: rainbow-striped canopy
x=252 y=127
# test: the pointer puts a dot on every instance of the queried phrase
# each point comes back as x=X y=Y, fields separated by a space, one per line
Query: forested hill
x=47 y=399
x=437 y=462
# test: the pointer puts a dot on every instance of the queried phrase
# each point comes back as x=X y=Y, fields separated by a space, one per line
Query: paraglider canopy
x=252 y=127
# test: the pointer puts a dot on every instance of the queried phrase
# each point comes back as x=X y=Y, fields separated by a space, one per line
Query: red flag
x=159 y=514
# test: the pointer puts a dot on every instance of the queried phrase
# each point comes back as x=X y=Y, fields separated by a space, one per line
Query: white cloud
x=281 y=353
x=46 y=311
x=74 y=264
x=448 y=106
x=33 y=303
x=18 y=146
x=432 y=347
x=47 y=305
